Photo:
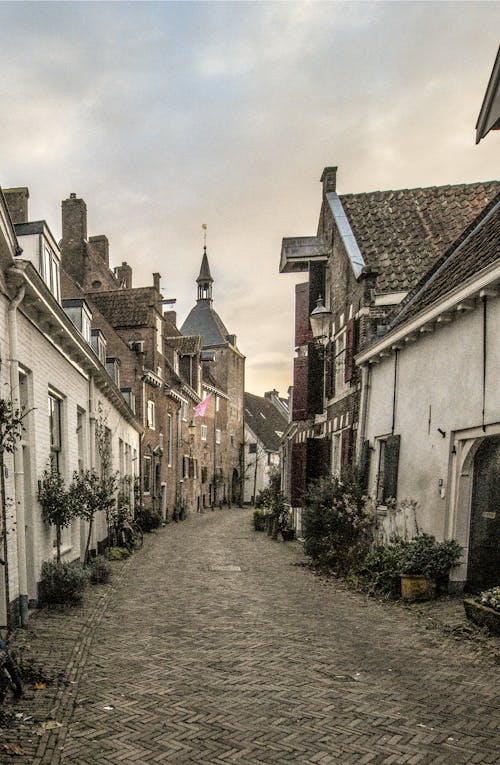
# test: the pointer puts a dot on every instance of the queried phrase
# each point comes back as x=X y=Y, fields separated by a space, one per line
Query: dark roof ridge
x=417 y=188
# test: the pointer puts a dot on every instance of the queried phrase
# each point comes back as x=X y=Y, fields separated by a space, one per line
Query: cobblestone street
x=213 y=646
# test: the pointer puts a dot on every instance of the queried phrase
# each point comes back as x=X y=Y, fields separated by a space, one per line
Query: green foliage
x=89 y=492
x=260 y=516
x=99 y=570
x=424 y=555
x=265 y=496
x=62 y=583
x=117 y=553
x=11 y=425
x=338 y=524
x=148 y=519
x=381 y=569
x=491 y=598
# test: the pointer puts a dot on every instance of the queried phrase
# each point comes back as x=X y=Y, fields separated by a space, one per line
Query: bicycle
x=124 y=531
x=10 y=675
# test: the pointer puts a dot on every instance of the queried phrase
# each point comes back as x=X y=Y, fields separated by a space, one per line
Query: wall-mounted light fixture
x=320 y=322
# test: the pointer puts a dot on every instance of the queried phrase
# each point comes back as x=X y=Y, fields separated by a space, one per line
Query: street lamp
x=320 y=322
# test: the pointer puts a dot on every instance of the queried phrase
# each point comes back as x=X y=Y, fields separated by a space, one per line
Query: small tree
x=89 y=493
x=58 y=508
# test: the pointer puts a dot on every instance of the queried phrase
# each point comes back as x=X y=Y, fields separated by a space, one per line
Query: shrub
x=381 y=569
x=260 y=519
x=148 y=519
x=62 y=583
x=99 y=570
x=424 y=555
x=338 y=524
x=117 y=553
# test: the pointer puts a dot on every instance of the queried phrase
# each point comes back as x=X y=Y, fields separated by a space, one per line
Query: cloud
x=164 y=116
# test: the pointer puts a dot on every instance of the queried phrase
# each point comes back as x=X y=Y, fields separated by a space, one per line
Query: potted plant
x=425 y=563
x=484 y=610
x=260 y=518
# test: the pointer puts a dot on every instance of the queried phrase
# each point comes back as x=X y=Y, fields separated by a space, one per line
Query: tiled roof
x=266 y=421
x=126 y=308
x=185 y=346
x=476 y=248
x=205 y=322
x=402 y=233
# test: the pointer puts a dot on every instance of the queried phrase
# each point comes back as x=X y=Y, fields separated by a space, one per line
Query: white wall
x=439 y=385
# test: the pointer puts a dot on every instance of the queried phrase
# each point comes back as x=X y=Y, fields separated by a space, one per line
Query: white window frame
x=204 y=432
x=151 y=414
x=217 y=435
x=340 y=358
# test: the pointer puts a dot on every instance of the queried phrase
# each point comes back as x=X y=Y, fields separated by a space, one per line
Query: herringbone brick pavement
x=213 y=646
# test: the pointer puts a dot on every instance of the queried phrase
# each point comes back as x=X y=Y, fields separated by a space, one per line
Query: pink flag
x=199 y=411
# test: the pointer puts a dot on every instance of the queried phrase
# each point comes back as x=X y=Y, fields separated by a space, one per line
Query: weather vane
x=204 y=227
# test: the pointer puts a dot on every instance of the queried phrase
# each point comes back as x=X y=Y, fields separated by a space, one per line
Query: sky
x=165 y=116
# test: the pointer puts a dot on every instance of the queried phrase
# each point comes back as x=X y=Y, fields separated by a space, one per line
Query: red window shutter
x=303 y=334
x=299 y=408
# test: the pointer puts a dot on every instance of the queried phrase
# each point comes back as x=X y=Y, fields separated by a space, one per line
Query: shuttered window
x=315 y=382
x=387 y=483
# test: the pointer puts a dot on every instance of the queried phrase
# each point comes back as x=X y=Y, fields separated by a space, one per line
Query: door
x=483 y=569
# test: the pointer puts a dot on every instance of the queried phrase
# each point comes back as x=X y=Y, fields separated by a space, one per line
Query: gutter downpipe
x=18 y=460
x=366 y=372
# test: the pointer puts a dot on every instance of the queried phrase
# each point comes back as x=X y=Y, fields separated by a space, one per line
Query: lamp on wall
x=320 y=322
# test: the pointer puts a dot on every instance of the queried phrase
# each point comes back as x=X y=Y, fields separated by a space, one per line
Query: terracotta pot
x=417 y=587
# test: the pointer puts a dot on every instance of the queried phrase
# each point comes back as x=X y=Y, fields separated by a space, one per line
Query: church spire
x=205 y=280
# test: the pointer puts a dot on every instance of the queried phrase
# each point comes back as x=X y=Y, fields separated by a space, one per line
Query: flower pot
x=483 y=616
x=417 y=587
x=288 y=535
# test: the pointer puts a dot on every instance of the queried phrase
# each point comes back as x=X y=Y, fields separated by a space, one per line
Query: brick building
x=54 y=372
x=223 y=370
x=370 y=249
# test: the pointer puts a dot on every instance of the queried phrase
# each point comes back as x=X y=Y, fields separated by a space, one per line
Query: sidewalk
x=213 y=644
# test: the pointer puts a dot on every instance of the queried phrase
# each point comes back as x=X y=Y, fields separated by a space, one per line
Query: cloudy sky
x=164 y=116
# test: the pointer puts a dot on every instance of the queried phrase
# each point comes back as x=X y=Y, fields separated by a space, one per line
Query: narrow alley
x=219 y=646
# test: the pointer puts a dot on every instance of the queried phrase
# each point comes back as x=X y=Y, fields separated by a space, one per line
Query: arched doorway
x=483 y=568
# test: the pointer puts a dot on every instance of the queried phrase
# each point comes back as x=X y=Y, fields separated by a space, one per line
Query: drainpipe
x=366 y=375
x=18 y=461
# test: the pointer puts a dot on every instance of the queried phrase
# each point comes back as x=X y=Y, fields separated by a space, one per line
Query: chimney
x=124 y=275
x=170 y=317
x=17 y=204
x=74 y=238
x=270 y=394
x=100 y=245
x=156 y=281
x=329 y=180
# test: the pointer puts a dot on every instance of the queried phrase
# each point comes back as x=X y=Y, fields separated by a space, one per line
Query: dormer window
x=113 y=369
x=80 y=314
x=40 y=248
x=50 y=270
x=98 y=343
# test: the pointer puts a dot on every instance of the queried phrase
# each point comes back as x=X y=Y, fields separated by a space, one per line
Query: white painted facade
x=428 y=381
x=44 y=354
x=258 y=463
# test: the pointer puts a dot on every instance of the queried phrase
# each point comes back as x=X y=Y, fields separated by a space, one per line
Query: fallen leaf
x=14 y=749
x=50 y=725
x=39 y=686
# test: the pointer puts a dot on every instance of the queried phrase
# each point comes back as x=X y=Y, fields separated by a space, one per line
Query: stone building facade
x=370 y=249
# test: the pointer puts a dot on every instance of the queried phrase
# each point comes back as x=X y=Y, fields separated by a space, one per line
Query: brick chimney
x=124 y=275
x=100 y=246
x=74 y=238
x=17 y=203
x=156 y=281
x=329 y=180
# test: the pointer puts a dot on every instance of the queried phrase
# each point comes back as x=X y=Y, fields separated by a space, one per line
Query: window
x=55 y=405
x=204 y=430
x=336 y=454
x=121 y=458
x=50 y=271
x=252 y=448
x=388 y=463
x=147 y=475
x=340 y=363
x=217 y=435
x=80 y=436
x=169 y=440
x=184 y=411
x=185 y=466
x=151 y=415
x=217 y=403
